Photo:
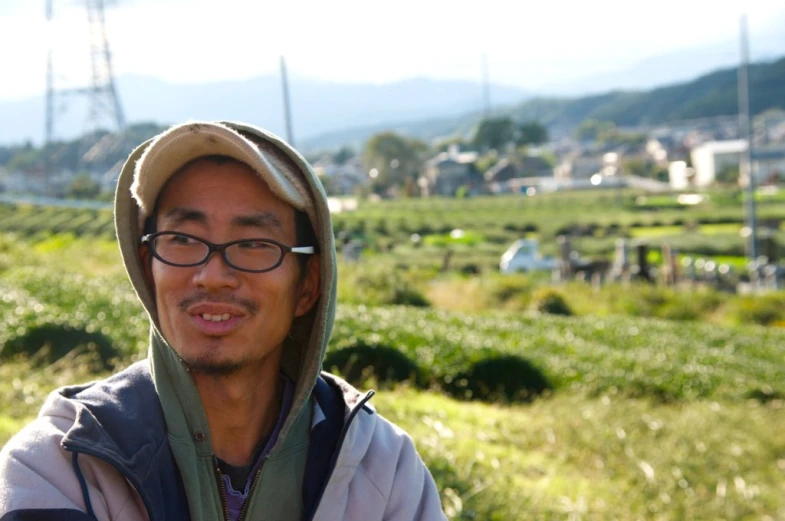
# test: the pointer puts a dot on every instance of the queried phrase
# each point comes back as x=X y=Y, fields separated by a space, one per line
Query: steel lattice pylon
x=103 y=102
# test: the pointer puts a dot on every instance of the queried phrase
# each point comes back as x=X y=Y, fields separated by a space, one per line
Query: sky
x=527 y=44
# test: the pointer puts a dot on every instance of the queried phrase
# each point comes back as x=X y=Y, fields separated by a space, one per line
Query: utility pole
x=286 y=106
x=49 y=123
x=745 y=130
x=486 y=88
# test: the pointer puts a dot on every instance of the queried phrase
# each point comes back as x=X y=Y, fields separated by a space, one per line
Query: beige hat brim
x=180 y=144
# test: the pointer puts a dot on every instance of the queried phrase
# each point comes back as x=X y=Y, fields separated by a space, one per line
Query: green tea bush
x=550 y=301
x=763 y=310
x=385 y=364
x=50 y=342
x=377 y=285
x=505 y=378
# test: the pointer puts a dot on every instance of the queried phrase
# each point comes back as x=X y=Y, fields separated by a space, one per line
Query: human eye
x=176 y=239
x=257 y=245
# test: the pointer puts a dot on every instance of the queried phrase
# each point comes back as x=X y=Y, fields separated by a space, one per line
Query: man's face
x=222 y=202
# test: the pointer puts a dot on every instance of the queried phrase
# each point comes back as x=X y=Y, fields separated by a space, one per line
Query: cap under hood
x=292 y=179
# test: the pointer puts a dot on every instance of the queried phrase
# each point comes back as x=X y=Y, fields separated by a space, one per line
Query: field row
x=508 y=356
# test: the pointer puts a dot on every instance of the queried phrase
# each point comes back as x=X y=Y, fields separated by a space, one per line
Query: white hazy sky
x=528 y=44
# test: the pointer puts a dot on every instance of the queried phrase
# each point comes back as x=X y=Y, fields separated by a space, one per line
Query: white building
x=709 y=159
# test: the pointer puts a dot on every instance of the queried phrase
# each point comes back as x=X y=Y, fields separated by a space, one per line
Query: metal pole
x=486 y=89
x=49 y=123
x=286 y=106
x=745 y=131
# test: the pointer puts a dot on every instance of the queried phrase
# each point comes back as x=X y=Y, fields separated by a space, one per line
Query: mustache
x=249 y=305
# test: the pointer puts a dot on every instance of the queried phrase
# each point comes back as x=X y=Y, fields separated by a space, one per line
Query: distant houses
x=449 y=171
x=681 y=156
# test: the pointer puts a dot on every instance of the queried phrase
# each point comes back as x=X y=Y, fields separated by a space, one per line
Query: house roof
x=462 y=158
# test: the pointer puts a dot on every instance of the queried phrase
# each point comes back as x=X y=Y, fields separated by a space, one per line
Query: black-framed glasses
x=254 y=255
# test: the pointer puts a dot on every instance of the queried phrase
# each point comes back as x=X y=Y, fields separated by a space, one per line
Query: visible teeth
x=216 y=318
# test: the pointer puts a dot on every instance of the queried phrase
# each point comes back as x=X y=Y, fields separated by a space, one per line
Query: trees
x=644 y=168
x=394 y=160
x=343 y=155
x=495 y=133
x=531 y=133
x=83 y=187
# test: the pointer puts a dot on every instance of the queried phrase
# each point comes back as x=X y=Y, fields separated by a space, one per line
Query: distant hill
x=317 y=106
x=401 y=107
x=713 y=94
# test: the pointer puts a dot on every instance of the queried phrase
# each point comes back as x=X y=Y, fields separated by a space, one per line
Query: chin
x=207 y=366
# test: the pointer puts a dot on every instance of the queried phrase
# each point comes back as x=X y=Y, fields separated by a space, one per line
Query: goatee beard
x=210 y=367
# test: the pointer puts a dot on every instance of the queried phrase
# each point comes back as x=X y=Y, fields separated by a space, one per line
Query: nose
x=215 y=274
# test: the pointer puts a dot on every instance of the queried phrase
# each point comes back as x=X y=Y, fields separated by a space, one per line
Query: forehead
x=220 y=188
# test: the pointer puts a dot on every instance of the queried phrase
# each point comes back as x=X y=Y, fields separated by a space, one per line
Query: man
x=226 y=237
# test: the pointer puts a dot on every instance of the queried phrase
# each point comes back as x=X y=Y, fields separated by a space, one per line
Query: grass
x=647 y=418
x=573 y=457
x=570 y=456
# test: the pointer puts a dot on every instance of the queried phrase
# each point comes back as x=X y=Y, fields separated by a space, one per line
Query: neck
x=241 y=408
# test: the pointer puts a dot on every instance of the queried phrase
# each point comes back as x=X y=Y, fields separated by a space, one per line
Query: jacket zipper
x=338 y=448
x=247 y=501
x=219 y=474
x=222 y=492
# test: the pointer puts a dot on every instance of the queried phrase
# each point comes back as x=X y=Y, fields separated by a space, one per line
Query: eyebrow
x=179 y=215
x=258 y=220
x=264 y=220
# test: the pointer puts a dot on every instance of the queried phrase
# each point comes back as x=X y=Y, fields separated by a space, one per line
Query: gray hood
x=303 y=353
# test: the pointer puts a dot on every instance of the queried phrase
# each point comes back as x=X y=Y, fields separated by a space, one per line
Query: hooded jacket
x=137 y=445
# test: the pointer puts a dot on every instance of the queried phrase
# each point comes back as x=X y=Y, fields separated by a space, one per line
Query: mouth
x=214 y=319
x=216 y=325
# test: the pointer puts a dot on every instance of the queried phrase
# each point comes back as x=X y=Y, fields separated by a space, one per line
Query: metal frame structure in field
x=103 y=101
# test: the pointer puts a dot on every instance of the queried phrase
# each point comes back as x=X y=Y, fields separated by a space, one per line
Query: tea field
x=519 y=415
x=417 y=232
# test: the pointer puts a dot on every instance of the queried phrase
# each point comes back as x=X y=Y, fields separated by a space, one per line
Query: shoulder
x=36 y=469
x=381 y=462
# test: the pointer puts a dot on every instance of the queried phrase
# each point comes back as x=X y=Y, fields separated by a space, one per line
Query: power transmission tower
x=103 y=102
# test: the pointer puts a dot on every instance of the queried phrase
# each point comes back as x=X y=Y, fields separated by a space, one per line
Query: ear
x=310 y=286
x=146 y=258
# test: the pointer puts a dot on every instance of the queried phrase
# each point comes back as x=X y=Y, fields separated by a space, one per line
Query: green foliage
x=644 y=168
x=375 y=285
x=710 y=95
x=454 y=238
x=550 y=301
x=531 y=133
x=359 y=362
x=343 y=155
x=494 y=133
x=486 y=162
x=728 y=174
x=504 y=378
x=592 y=130
x=638 y=418
x=620 y=355
x=50 y=342
x=764 y=310
x=83 y=187
x=395 y=158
